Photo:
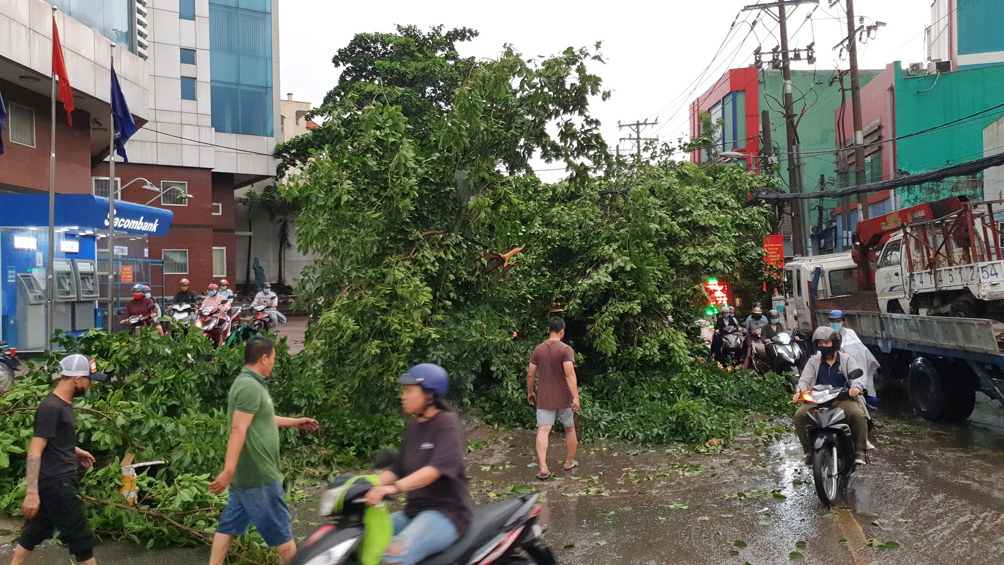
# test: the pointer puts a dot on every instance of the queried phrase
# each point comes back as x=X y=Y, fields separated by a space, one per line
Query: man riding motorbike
x=271 y=302
x=839 y=370
x=142 y=305
x=726 y=323
x=430 y=469
x=851 y=343
x=185 y=294
x=754 y=322
x=770 y=331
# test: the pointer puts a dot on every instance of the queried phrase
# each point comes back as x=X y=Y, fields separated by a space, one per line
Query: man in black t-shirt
x=51 y=501
x=185 y=294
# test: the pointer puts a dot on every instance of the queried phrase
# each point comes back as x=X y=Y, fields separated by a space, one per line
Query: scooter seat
x=488 y=520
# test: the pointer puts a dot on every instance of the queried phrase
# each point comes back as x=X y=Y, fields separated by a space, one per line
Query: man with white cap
x=51 y=502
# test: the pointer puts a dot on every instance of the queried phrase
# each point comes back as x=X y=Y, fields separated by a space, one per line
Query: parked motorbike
x=782 y=354
x=9 y=365
x=832 y=446
x=502 y=532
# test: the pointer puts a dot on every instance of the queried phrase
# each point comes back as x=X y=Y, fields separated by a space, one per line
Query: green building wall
x=932 y=101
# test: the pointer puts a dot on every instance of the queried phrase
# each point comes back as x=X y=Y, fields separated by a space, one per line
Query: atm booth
x=81 y=230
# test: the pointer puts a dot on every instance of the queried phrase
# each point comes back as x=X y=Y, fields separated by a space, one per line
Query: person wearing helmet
x=215 y=299
x=837 y=369
x=225 y=289
x=430 y=470
x=268 y=298
x=851 y=343
x=185 y=294
x=727 y=323
x=142 y=305
x=754 y=322
x=773 y=327
x=149 y=294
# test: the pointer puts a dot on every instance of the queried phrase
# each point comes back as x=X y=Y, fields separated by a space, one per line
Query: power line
x=207 y=143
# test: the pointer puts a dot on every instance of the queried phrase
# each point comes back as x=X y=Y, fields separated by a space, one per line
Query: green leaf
x=740 y=543
x=796 y=556
x=800 y=544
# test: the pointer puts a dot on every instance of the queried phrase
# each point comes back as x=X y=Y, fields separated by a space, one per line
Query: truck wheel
x=963 y=404
x=928 y=393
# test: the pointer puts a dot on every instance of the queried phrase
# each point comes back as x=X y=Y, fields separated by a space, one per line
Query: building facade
x=200 y=77
x=966 y=33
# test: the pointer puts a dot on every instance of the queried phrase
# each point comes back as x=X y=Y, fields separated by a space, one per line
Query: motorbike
x=135 y=323
x=178 y=316
x=260 y=321
x=731 y=353
x=215 y=328
x=9 y=365
x=782 y=354
x=833 y=458
x=502 y=532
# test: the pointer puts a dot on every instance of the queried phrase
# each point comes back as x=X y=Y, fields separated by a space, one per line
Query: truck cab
x=891 y=279
x=836 y=279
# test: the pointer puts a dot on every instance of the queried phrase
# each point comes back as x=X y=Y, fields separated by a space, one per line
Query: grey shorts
x=546 y=418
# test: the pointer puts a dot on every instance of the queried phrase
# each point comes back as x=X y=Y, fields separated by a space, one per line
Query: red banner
x=774 y=246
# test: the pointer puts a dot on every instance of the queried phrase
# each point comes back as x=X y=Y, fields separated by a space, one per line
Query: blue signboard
x=83 y=211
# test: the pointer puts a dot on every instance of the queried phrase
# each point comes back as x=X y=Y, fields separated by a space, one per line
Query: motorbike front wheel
x=826 y=472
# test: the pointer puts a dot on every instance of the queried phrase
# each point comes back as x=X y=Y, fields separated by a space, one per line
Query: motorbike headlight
x=807 y=397
x=198 y=324
x=335 y=554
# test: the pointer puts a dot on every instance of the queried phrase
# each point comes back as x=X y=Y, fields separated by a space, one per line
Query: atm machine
x=66 y=294
x=30 y=313
x=86 y=279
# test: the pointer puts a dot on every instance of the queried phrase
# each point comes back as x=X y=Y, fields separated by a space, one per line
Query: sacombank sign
x=135 y=224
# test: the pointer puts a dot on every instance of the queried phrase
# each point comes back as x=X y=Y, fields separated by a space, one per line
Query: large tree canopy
x=442 y=245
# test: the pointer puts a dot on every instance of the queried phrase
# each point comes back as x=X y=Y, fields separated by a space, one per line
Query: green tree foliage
x=411 y=234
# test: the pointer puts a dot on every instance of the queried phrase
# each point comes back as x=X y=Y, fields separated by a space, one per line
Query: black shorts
x=60 y=509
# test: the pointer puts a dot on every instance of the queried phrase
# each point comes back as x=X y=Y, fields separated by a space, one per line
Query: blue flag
x=124 y=124
x=3 y=118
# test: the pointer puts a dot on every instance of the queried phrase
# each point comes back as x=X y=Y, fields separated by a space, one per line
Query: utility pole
x=794 y=147
x=859 y=138
x=637 y=139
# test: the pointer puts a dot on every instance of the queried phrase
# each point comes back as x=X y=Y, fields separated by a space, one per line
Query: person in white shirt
x=267 y=298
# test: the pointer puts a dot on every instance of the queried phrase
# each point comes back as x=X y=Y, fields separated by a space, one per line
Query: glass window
x=798 y=282
x=217 y=209
x=186 y=9
x=219 y=261
x=175 y=261
x=22 y=125
x=188 y=56
x=114 y=19
x=99 y=187
x=241 y=66
x=891 y=255
x=174 y=193
x=842 y=282
x=187 y=88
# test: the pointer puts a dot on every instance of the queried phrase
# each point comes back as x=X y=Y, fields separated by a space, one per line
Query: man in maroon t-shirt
x=557 y=394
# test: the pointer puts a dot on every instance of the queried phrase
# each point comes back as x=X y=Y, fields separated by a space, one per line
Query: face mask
x=148 y=295
x=728 y=314
x=827 y=351
x=138 y=296
x=757 y=316
x=836 y=326
x=775 y=320
x=212 y=293
x=268 y=291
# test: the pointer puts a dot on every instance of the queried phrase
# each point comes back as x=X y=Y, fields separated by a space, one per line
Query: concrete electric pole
x=637 y=139
x=794 y=147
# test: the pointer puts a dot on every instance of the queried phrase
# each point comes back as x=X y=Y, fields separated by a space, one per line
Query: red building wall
x=26 y=167
x=734 y=80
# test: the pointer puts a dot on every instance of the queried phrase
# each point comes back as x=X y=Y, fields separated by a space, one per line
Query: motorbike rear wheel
x=826 y=472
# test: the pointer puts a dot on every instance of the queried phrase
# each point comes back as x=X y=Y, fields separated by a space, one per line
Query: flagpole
x=50 y=288
x=111 y=208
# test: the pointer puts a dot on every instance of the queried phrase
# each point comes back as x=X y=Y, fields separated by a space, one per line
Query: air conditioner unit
x=943 y=66
x=916 y=68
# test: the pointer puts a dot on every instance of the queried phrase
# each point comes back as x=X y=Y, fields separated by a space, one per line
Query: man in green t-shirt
x=251 y=469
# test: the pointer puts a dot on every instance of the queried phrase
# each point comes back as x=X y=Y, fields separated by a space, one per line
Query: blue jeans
x=265 y=507
x=426 y=534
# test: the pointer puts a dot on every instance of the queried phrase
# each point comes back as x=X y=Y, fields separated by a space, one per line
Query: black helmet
x=774 y=315
x=826 y=333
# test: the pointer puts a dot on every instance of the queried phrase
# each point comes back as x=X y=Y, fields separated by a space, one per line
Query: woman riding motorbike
x=430 y=470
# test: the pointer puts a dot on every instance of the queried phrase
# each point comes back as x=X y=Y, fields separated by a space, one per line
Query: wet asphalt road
x=932 y=489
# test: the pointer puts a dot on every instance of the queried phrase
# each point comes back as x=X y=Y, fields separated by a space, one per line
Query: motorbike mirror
x=385 y=458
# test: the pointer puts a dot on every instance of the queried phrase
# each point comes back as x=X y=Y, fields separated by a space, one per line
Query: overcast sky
x=654 y=50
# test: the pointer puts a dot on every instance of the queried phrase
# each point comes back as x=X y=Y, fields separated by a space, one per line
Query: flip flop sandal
x=546 y=477
x=574 y=465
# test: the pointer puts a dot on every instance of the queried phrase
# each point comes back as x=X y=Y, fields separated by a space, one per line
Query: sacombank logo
x=135 y=224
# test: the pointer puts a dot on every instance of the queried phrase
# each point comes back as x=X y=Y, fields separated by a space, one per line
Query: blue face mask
x=212 y=293
x=728 y=314
x=836 y=326
x=148 y=295
x=267 y=291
